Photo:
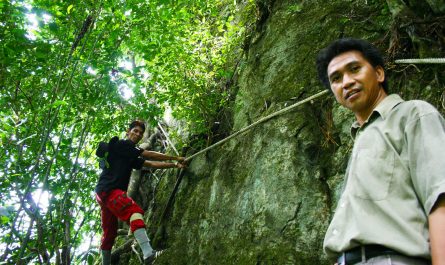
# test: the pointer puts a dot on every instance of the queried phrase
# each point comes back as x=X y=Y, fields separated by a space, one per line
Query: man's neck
x=362 y=117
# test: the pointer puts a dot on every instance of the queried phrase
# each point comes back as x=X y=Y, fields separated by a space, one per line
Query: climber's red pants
x=113 y=205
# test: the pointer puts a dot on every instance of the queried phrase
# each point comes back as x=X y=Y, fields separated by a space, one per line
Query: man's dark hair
x=369 y=52
x=137 y=123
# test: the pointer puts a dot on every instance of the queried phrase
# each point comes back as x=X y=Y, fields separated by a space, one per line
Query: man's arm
x=161 y=157
x=436 y=221
x=156 y=164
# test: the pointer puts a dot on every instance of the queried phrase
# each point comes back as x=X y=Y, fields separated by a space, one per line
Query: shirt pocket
x=371 y=173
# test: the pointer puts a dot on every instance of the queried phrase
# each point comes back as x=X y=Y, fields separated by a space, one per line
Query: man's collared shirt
x=395 y=174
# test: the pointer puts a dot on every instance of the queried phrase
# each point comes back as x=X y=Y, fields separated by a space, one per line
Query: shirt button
x=342 y=205
x=335 y=232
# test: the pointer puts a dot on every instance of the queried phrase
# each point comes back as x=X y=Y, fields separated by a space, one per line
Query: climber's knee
x=136 y=216
x=136 y=222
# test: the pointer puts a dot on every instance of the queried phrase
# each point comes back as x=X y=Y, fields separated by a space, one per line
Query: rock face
x=266 y=197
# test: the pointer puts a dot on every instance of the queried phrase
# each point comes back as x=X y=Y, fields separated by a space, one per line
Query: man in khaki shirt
x=392 y=209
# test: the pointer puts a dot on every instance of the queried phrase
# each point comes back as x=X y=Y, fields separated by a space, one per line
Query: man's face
x=355 y=83
x=135 y=134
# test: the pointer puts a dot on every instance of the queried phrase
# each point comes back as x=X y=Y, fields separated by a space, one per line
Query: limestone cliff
x=267 y=196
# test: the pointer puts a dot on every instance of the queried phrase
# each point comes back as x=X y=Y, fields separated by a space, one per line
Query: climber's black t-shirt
x=123 y=156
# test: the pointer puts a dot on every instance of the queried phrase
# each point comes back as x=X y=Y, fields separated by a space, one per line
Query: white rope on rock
x=168 y=139
x=319 y=94
x=421 y=61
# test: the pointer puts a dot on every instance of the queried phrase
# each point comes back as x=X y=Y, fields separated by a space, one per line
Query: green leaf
x=295 y=8
x=68 y=10
x=59 y=103
x=4 y=220
x=90 y=259
x=53 y=27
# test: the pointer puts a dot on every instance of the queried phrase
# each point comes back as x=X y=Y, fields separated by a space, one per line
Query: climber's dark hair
x=137 y=123
x=369 y=52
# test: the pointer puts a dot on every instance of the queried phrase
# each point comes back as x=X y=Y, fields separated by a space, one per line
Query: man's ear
x=127 y=132
x=380 y=72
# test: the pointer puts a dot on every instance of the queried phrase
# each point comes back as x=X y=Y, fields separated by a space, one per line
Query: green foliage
x=65 y=67
x=296 y=8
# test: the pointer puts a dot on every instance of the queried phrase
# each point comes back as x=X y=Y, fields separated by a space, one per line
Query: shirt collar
x=130 y=142
x=383 y=109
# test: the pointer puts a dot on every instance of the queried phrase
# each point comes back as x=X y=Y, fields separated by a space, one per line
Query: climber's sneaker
x=151 y=259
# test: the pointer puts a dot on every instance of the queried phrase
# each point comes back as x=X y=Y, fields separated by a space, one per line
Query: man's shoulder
x=125 y=143
x=417 y=108
x=127 y=148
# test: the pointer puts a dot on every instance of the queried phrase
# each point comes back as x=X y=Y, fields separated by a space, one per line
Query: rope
x=319 y=94
x=181 y=172
x=179 y=177
x=419 y=61
x=168 y=139
x=133 y=247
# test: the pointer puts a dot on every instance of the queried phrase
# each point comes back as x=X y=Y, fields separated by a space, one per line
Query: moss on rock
x=266 y=197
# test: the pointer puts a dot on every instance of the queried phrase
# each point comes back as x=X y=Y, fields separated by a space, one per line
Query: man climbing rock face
x=111 y=191
x=392 y=209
